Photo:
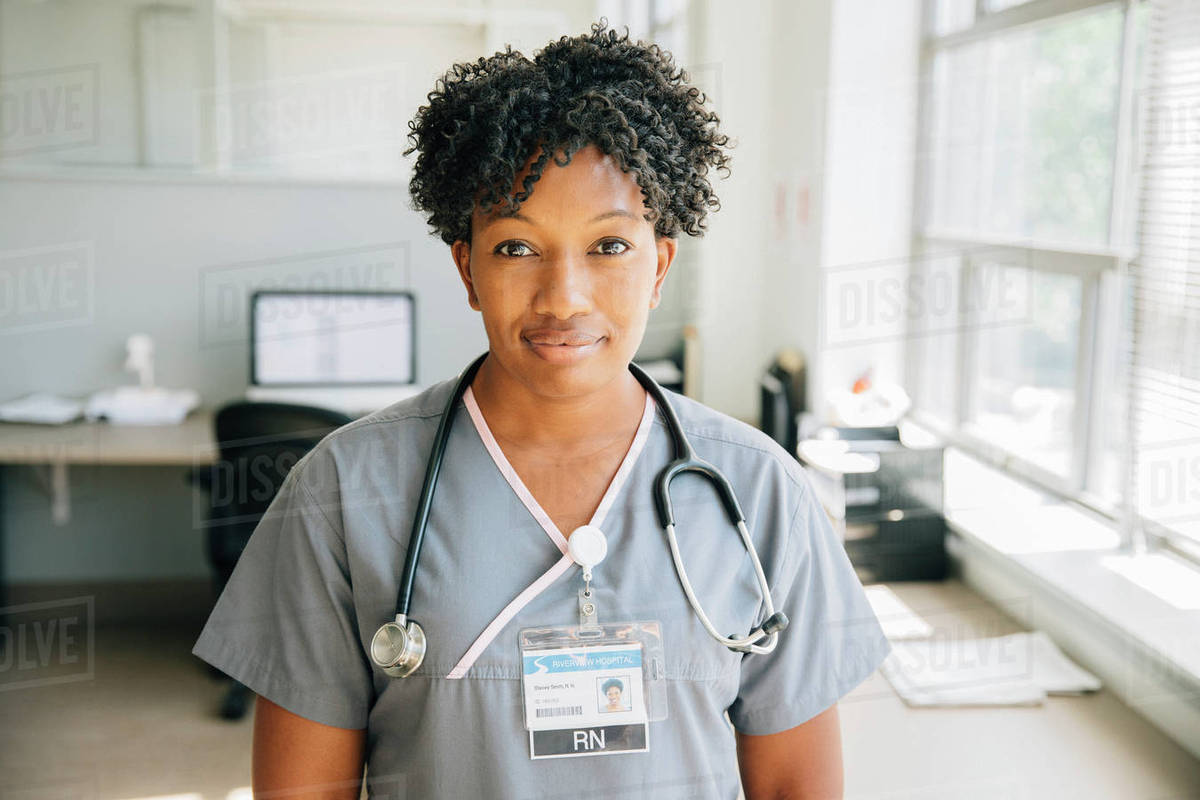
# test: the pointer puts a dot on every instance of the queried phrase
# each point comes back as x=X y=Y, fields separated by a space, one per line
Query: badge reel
x=592 y=688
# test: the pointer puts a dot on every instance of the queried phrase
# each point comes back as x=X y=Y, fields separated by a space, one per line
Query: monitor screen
x=331 y=338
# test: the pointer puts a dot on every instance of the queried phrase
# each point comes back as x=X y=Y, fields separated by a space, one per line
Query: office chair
x=258 y=443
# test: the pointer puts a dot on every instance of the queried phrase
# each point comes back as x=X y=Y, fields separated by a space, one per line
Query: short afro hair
x=486 y=120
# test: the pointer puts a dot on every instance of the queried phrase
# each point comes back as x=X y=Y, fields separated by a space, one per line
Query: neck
x=567 y=424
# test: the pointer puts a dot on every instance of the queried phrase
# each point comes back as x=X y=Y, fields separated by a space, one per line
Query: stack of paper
x=134 y=405
x=1018 y=669
x=44 y=409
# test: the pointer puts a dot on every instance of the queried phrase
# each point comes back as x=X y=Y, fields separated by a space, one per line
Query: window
x=1024 y=131
x=1022 y=379
x=1029 y=184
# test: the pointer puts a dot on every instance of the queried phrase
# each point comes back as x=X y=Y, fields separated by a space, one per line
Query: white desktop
x=350 y=351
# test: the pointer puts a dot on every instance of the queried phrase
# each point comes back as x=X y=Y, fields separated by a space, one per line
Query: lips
x=562 y=347
x=571 y=338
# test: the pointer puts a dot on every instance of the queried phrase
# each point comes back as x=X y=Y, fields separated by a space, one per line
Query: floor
x=142 y=724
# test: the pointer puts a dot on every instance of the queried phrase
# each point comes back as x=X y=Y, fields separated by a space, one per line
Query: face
x=614 y=695
x=565 y=287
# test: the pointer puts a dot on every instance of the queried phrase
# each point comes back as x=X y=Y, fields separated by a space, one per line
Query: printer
x=882 y=489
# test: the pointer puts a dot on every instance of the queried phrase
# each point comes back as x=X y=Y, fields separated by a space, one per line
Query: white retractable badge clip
x=587 y=548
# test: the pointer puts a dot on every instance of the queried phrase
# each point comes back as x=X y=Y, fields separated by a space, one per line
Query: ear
x=461 y=252
x=666 y=246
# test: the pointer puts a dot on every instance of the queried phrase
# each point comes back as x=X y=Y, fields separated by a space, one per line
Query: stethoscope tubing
x=432 y=468
x=685 y=460
x=748 y=643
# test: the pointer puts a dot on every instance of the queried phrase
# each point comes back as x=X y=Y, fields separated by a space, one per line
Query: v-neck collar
x=522 y=491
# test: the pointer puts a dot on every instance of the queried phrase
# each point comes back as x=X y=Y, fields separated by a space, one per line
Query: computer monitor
x=332 y=338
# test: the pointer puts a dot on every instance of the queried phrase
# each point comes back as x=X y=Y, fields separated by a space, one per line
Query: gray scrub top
x=321 y=571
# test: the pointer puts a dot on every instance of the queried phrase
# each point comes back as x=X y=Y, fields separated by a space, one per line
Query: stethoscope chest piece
x=398 y=648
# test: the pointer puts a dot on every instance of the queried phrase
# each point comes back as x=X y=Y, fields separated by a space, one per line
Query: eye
x=624 y=246
x=500 y=247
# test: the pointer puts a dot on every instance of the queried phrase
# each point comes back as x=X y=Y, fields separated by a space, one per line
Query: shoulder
x=429 y=402
x=411 y=422
x=732 y=440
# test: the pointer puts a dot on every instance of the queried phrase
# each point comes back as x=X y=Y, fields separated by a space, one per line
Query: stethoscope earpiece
x=775 y=623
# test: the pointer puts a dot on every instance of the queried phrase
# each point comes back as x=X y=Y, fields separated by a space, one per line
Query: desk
x=190 y=443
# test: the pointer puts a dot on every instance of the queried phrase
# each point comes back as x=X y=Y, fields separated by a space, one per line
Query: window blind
x=1163 y=470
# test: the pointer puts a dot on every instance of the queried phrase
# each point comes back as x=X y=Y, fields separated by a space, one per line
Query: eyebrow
x=616 y=212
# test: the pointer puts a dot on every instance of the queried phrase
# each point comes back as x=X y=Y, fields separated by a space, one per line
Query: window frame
x=1103 y=271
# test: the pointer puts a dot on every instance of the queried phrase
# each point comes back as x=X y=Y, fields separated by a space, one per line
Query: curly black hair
x=485 y=121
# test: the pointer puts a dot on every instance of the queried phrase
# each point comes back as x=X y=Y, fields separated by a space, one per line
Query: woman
x=560 y=185
x=612 y=689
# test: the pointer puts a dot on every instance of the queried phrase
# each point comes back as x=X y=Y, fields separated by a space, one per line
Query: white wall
x=732 y=66
x=800 y=46
x=66 y=34
x=177 y=260
x=822 y=96
x=866 y=216
x=119 y=63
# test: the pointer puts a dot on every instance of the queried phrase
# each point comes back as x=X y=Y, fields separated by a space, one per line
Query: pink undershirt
x=556 y=536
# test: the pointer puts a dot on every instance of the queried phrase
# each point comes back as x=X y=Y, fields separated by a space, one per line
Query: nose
x=564 y=288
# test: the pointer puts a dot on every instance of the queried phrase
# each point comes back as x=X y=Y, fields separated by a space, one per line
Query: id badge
x=592 y=689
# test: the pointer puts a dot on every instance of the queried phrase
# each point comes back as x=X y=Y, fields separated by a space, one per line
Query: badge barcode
x=559 y=711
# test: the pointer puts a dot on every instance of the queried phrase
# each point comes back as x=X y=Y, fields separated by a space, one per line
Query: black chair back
x=258 y=445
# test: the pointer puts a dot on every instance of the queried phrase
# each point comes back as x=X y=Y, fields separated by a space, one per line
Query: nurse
x=560 y=185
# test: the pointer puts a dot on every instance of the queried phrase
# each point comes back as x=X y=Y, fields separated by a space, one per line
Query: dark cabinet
x=885 y=501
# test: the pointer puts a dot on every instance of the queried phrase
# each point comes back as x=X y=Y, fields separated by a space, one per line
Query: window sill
x=1059 y=568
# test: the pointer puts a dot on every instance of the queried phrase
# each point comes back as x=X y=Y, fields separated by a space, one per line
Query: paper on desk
x=134 y=405
x=41 y=408
x=1018 y=669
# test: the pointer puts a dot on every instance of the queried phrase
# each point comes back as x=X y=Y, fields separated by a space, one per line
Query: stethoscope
x=398 y=647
